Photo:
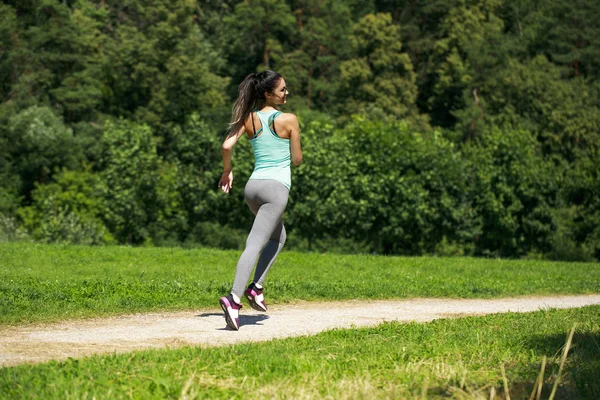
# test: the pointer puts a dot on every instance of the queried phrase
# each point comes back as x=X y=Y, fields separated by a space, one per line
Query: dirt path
x=31 y=344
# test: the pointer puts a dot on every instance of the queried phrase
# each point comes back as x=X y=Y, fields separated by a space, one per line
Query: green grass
x=50 y=282
x=458 y=358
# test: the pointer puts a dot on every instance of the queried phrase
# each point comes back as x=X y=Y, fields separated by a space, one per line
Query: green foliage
x=497 y=77
x=68 y=211
x=379 y=79
x=567 y=33
x=140 y=189
x=196 y=151
x=447 y=42
x=398 y=190
x=265 y=22
x=562 y=114
x=129 y=180
x=11 y=229
x=8 y=26
x=579 y=188
x=161 y=67
x=214 y=235
x=513 y=191
x=10 y=185
x=563 y=240
x=312 y=66
x=39 y=143
x=82 y=92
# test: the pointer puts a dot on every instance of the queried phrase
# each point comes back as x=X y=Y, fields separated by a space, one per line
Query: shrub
x=68 y=210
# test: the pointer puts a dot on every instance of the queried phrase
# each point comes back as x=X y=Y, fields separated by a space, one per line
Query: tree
x=40 y=144
x=160 y=67
x=129 y=180
x=311 y=68
x=379 y=78
x=459 y=53
x=566 y=33
x=8 y=41
x=266 y=26
x=513 y=190
x=577 y=236
x=68 y=210
x=563 y=114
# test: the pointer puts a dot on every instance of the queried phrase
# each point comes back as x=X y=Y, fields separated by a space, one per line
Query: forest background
x=435 y=127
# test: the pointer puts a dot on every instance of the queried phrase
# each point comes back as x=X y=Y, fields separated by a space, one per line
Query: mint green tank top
x=271 y=153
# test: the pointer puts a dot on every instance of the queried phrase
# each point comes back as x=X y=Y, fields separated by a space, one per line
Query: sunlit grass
x=50 y=282
x=453 y=358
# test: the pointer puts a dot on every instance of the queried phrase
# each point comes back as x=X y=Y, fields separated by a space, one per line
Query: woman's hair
x=251 y=95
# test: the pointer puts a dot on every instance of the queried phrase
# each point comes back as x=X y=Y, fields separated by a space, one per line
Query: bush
x=68 y=210
x=11 y=230
x=40 y=144
x=211 y=234
x=564 y=244
x=129 y=178
x=580 y=219
x=512 y=191
x=397 y=191
x=61 y=225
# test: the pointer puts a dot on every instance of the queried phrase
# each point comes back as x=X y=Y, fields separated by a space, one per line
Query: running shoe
x=256 y=298
x=231 y=310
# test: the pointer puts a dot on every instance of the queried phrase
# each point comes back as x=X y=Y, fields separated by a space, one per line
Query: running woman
x=275 y=139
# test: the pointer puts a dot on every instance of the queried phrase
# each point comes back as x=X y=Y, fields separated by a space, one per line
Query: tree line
x=449 y=127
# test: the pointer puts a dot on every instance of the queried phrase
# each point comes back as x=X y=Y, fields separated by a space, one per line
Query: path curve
x=59 y=341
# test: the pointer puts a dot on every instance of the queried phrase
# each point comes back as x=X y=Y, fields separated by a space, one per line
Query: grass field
x=50 y=282
x=451 y=358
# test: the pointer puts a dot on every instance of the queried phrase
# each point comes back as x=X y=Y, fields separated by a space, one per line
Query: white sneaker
x=231 y=310
x=256 y=298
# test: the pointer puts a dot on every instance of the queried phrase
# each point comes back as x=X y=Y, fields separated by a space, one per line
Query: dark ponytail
x=251 y=96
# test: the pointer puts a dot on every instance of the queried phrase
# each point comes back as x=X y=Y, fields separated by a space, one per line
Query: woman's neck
x=268 y=106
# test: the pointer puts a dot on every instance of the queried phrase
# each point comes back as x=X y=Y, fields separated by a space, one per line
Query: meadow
x=450 y=358
x=42 y=283
x=466 y=358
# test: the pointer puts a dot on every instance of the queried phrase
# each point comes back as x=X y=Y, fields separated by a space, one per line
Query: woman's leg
x=270 y=253
x=267 y=199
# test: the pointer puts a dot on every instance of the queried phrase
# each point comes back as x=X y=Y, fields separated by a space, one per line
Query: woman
x=275 y=139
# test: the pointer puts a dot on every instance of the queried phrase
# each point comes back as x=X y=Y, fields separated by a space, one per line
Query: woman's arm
x=295 y=140
x=226 y=181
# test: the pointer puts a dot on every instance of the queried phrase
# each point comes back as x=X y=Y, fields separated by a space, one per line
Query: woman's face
x=279 y=95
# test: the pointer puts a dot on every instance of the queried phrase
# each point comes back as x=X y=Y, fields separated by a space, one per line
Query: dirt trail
x=58 y=341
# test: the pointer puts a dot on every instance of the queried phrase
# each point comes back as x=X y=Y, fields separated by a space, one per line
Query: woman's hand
x=226 y=181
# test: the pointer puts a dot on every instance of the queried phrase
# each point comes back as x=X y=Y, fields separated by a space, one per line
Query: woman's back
x=271 y=152
x=283 y=125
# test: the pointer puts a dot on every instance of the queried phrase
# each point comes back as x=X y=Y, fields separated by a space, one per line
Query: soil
x=125 y=333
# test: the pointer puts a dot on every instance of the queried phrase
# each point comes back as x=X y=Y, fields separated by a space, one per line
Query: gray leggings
x=267 y=199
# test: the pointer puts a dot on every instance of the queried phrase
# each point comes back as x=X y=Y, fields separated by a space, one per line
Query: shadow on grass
x=580 y=378
x=583 y=361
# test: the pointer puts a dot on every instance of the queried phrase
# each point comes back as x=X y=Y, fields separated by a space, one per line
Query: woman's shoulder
x=287 y=118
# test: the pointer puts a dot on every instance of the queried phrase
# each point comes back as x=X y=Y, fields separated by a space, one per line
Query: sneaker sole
x=228 y=319
x=254 y=304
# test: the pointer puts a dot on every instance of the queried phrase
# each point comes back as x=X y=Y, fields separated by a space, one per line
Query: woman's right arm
x=296 y=149
x=226 y=181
